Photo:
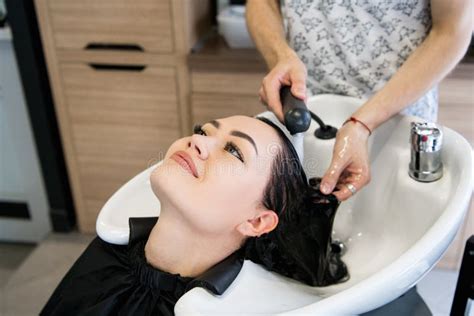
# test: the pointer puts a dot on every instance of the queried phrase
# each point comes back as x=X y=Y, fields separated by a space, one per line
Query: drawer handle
x=110 y=46
x=114 y=67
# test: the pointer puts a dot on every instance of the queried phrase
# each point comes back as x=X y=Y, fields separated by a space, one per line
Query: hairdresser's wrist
x=285 y=53
x=278 y=52
x=357 y=121
x=372 y=113
x=357 y=128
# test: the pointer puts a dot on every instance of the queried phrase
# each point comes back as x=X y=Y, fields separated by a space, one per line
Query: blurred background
x=93 y=92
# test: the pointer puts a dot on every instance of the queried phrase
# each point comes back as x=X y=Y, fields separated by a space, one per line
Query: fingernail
x=300 y=93
x=324 y=188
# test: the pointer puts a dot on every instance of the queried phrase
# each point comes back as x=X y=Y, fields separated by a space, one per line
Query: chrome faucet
x=426 y=141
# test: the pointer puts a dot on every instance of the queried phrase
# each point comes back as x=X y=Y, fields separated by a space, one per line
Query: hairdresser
x=392 y=54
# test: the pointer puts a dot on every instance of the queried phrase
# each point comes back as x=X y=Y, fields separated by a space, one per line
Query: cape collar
x=216 y=279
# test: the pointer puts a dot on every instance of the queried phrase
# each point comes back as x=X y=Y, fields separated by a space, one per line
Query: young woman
x=233 y=190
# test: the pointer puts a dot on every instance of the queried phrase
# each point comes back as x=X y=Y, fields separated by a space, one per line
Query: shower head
x=297 y=118
x=296 y=115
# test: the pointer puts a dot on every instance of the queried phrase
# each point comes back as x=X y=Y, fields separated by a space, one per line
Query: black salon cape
x=110 y=279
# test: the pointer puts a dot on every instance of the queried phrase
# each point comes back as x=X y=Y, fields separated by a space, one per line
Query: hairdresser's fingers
x=358 y=177
x=358 y=180
x=343 y=193
x=330 y=178
x=271 y=88
x=298 y=84
x=351 y=153
x=343 y=178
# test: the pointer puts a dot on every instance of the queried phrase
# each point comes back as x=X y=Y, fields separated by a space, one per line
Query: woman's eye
x=234 y=150
x=229 y=146
x=198 y=130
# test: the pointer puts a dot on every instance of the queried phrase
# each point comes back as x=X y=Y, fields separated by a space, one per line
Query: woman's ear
x=263 y=223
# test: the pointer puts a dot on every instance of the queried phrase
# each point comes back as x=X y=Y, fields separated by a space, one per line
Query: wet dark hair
x=300 y=246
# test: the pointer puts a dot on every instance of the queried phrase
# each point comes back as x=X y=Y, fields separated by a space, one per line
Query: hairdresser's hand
x=350 y=162
x=289 y=71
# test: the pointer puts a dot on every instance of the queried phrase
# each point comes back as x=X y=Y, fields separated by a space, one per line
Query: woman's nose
x=198 y=144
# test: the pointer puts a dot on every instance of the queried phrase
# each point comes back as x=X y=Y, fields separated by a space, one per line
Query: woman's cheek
x=237 y=197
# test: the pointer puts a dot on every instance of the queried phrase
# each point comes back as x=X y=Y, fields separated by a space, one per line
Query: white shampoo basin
x=395 y=229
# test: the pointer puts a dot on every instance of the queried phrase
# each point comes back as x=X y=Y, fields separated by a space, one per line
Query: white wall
x=20 y=175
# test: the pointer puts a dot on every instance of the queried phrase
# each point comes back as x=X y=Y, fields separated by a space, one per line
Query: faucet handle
x=426 y=142
x=426 y=137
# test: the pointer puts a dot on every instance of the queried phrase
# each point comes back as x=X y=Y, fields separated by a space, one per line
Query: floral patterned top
x=353 y=47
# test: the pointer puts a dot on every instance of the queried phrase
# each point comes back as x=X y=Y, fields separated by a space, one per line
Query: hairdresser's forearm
x=265 y=26
x=426 y=67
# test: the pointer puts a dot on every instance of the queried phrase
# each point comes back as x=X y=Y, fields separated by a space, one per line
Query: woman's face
x=215 y=178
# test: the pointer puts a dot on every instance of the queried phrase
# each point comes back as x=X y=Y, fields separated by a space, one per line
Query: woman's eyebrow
x=216 y=124
x=245 y=136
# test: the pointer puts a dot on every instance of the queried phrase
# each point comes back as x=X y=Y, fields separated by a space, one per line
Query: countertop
x=213 y=54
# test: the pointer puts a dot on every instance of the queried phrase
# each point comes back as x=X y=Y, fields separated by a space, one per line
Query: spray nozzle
x=296 y=114
x=298 y=117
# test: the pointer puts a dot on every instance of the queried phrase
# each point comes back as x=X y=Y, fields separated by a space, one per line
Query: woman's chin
x=171 y=179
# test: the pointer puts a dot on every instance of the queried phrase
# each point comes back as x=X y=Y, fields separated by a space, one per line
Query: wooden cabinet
x=120 y=87
x=144 y=24
x=121 y=121
x=135 y=98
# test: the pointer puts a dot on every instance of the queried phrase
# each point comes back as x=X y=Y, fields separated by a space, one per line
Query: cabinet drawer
x=208 y=106
x=146 y=23
x=121 y=122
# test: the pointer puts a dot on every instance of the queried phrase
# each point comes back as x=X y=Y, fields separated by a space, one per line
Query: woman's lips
x=185 y=161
